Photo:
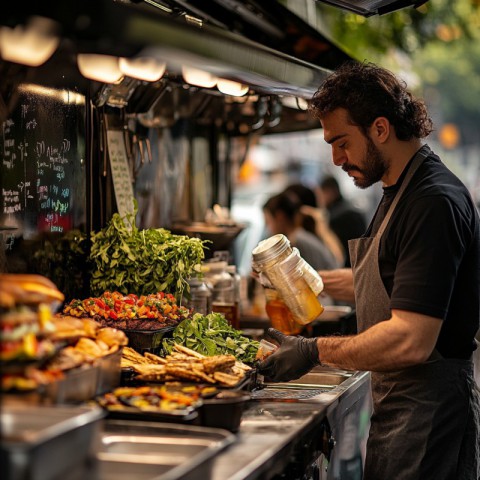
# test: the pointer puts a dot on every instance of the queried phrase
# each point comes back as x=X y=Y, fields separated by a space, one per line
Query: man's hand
x=338 y=284
x=295 y=357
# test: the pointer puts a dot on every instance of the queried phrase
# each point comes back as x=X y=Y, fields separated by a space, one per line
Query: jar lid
x=270 y=248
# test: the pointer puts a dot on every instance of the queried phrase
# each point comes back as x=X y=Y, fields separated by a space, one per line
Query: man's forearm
x=405 y=340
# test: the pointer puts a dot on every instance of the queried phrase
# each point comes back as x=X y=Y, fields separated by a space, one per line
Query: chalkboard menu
x=42 y=175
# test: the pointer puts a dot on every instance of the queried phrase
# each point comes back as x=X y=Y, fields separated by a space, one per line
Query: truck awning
x=261 y=44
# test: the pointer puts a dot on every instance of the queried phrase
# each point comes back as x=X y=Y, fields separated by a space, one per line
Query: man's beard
x=373 y=167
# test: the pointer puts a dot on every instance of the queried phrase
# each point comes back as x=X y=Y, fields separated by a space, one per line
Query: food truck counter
x=296 y=429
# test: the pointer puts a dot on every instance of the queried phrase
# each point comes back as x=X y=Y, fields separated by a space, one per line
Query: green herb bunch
x=142 y=262
x=212 y=335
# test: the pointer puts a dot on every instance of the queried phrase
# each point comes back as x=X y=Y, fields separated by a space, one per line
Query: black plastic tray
x=224 y=412
x=186 y=416
x=248 y=382
x=148 y=340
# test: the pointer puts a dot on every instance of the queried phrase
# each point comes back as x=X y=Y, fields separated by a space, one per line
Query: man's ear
x=380 y=129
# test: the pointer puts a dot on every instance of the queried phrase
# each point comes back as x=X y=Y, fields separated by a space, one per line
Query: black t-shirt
x=429 y=255
x=347 y=222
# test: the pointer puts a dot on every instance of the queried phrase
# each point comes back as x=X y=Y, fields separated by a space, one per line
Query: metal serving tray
x=157 y=451
x=79 y=385
x=109 y=372
x=46 y=442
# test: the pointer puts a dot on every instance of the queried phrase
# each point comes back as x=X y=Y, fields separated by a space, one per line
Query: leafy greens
x=212 y=335
x=130 y=260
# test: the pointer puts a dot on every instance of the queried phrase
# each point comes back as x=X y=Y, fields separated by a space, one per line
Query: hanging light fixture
x=31 y=44
x=232 y=88
x=102 y=68
x=142 y=68
x=199 y=78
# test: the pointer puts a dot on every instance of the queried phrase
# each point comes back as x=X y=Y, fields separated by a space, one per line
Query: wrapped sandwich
x=26 y=305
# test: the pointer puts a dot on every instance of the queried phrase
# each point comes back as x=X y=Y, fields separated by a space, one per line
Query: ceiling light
x=199 y=78
x=142 y=68
x=232 y=88
x=297 y=103
x=102 y=68
x=31 y=44
x=68 y=97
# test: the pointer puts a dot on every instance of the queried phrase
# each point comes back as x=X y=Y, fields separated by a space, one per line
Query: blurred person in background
x=282 y=215
x=415 y=281
x=346 y=221
x=314 y=220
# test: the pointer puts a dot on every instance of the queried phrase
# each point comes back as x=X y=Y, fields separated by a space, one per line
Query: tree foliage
x=408 y=30
x=439 y=44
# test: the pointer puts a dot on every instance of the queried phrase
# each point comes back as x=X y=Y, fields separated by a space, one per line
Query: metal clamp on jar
x=282 y=268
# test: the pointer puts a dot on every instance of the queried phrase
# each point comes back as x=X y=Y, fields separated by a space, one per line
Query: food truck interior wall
x=55 y=174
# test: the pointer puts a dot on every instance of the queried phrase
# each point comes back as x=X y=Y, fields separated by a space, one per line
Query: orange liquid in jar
x=281 y=317
x=308 y=302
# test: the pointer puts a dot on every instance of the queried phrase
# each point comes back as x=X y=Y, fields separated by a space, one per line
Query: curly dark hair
x=367 y=92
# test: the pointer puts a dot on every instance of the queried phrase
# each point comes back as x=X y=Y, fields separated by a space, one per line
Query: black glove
x=295 y=357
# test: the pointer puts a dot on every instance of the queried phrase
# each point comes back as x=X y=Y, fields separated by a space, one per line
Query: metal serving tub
x=79 y=385
x=46 y=442
x=109 y=372
x=321 y=383
x=157 y=451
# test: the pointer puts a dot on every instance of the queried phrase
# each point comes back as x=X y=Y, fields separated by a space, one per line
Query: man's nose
x=338 y=156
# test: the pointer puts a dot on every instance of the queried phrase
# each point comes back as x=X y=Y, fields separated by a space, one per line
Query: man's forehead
x=336 y=124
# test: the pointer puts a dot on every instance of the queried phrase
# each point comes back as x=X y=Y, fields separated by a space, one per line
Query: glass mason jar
x=200 y=296
x=222 y=285
x=279 y=314
x=282 y=268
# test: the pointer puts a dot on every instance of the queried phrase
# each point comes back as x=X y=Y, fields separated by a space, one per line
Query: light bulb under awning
x=102 y=68
x=31 y=44
x=199 y=78
x=142 y=68
x=232 y=88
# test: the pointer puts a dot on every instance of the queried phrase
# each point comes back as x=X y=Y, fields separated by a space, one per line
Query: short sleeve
x=430 y=243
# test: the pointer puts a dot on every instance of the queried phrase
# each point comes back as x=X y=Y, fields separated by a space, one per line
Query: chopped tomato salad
x=117 y=306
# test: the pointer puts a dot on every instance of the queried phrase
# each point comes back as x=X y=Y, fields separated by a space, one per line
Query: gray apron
x=426 y=418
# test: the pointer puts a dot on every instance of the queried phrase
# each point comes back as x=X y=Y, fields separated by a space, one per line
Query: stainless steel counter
x=273 y=433
x=286 y=428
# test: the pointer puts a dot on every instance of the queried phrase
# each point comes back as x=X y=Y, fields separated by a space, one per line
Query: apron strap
x=420 y=156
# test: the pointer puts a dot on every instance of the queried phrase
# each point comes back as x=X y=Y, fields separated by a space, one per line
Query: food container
x=224 y=410
x=265 y=349
x=187 y=416
x=200 y=298
x=78 y=385
x=109 y=372
x=148 y=340
x=223 y=288
x=151 y=403
x=157 y=451
x=46 y=442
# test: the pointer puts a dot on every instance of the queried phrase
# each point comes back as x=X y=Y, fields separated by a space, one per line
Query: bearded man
x=415 y=281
